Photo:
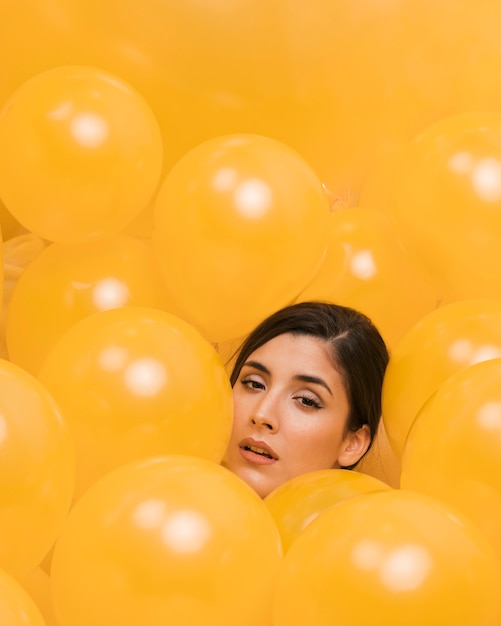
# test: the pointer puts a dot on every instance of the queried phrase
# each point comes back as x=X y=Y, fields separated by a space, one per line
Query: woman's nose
x=265 y=415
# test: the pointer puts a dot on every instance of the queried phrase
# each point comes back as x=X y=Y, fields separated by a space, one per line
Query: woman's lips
x=257 y=452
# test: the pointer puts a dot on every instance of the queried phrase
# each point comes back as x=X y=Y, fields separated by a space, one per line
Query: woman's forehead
x=289 y=348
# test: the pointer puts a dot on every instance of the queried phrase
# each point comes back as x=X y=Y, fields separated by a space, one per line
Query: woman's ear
x=354 y=446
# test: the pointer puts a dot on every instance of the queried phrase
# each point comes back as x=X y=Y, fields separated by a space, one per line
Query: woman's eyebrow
x=257 y=366
x=305 y=378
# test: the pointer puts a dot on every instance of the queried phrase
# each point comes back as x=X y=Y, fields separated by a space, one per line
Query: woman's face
x=290 y=414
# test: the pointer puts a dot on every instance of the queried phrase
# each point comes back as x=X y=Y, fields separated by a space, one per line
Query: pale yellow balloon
x=240 y=229
x=366 y=267
x=136 y=382
x=67 y=282
x=37 y=469
x=295 y=504
x=443 y=342
x=453 y=449
x=90 y=146
x=389 y=557
x=176 y=539
x=37 y=585
x=17 y=608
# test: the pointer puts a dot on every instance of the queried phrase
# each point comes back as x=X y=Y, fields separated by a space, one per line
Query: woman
x=307 y=394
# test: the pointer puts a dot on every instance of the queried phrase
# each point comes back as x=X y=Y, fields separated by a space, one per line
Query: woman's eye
x=309 y=402
x=252 y=384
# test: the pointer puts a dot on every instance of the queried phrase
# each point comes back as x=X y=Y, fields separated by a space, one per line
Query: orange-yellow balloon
x=17 y=608
x=10 y=227
x=70 y=281
x=343 y=111
x=448 y=202
x=366 y=266
x=37 y=470
x=90 y=147
x=37 y=585
x=443 y=342
x=240 y=229
x=174 y=540
x=295 y=504
x=394 y=557
x=381 y=462
x=136 y=382
x=453 y=449
x=2 y=270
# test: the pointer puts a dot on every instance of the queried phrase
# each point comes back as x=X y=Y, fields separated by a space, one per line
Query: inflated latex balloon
x=70 y=281
x=18 y=252
x=37 y=585
x=174 y=540
x=136 y=382
x=365 y=266
x=10 y=227
x=381 y=462
x=90 y=147
x=2 y=269
x=443 y=342
x=37 y=470
x=376 y=191
x=448 y=202
x=392 y=558
x=17 y=608
x=295 y=504
x=240 y=229
x=342 y=111
x=454 y=446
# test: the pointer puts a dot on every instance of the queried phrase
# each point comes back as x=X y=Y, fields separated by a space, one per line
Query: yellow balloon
x=90 y=147
x=393 y=557
x=453 y=449
x=67 y=282
x=17 y=608
x=192 y=63
x=173 y=540
x=37 y=585
x=343 y=112
x=443 y=342
x=136 y=382
x=18 y=252
x=240 y=229
x=365 y=266
x=295 y=504
x=37 y=470
x=448 y=203
x=381 y=460
x=10 y=227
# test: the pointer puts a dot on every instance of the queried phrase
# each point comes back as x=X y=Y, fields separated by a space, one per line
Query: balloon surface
x=37 y=585
x=240 y=229
x=343 y=112
x=393 y=557
x=366 y=266
x=16 y=605
x=37 y=470
x=295 y=504
x=454 y=446
x=136 y=382
x=175 y=540
x=90 y=147
x=448 y=203
x=445 y=341
x=10 y=227
x=380 y=461
x=70 y=281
